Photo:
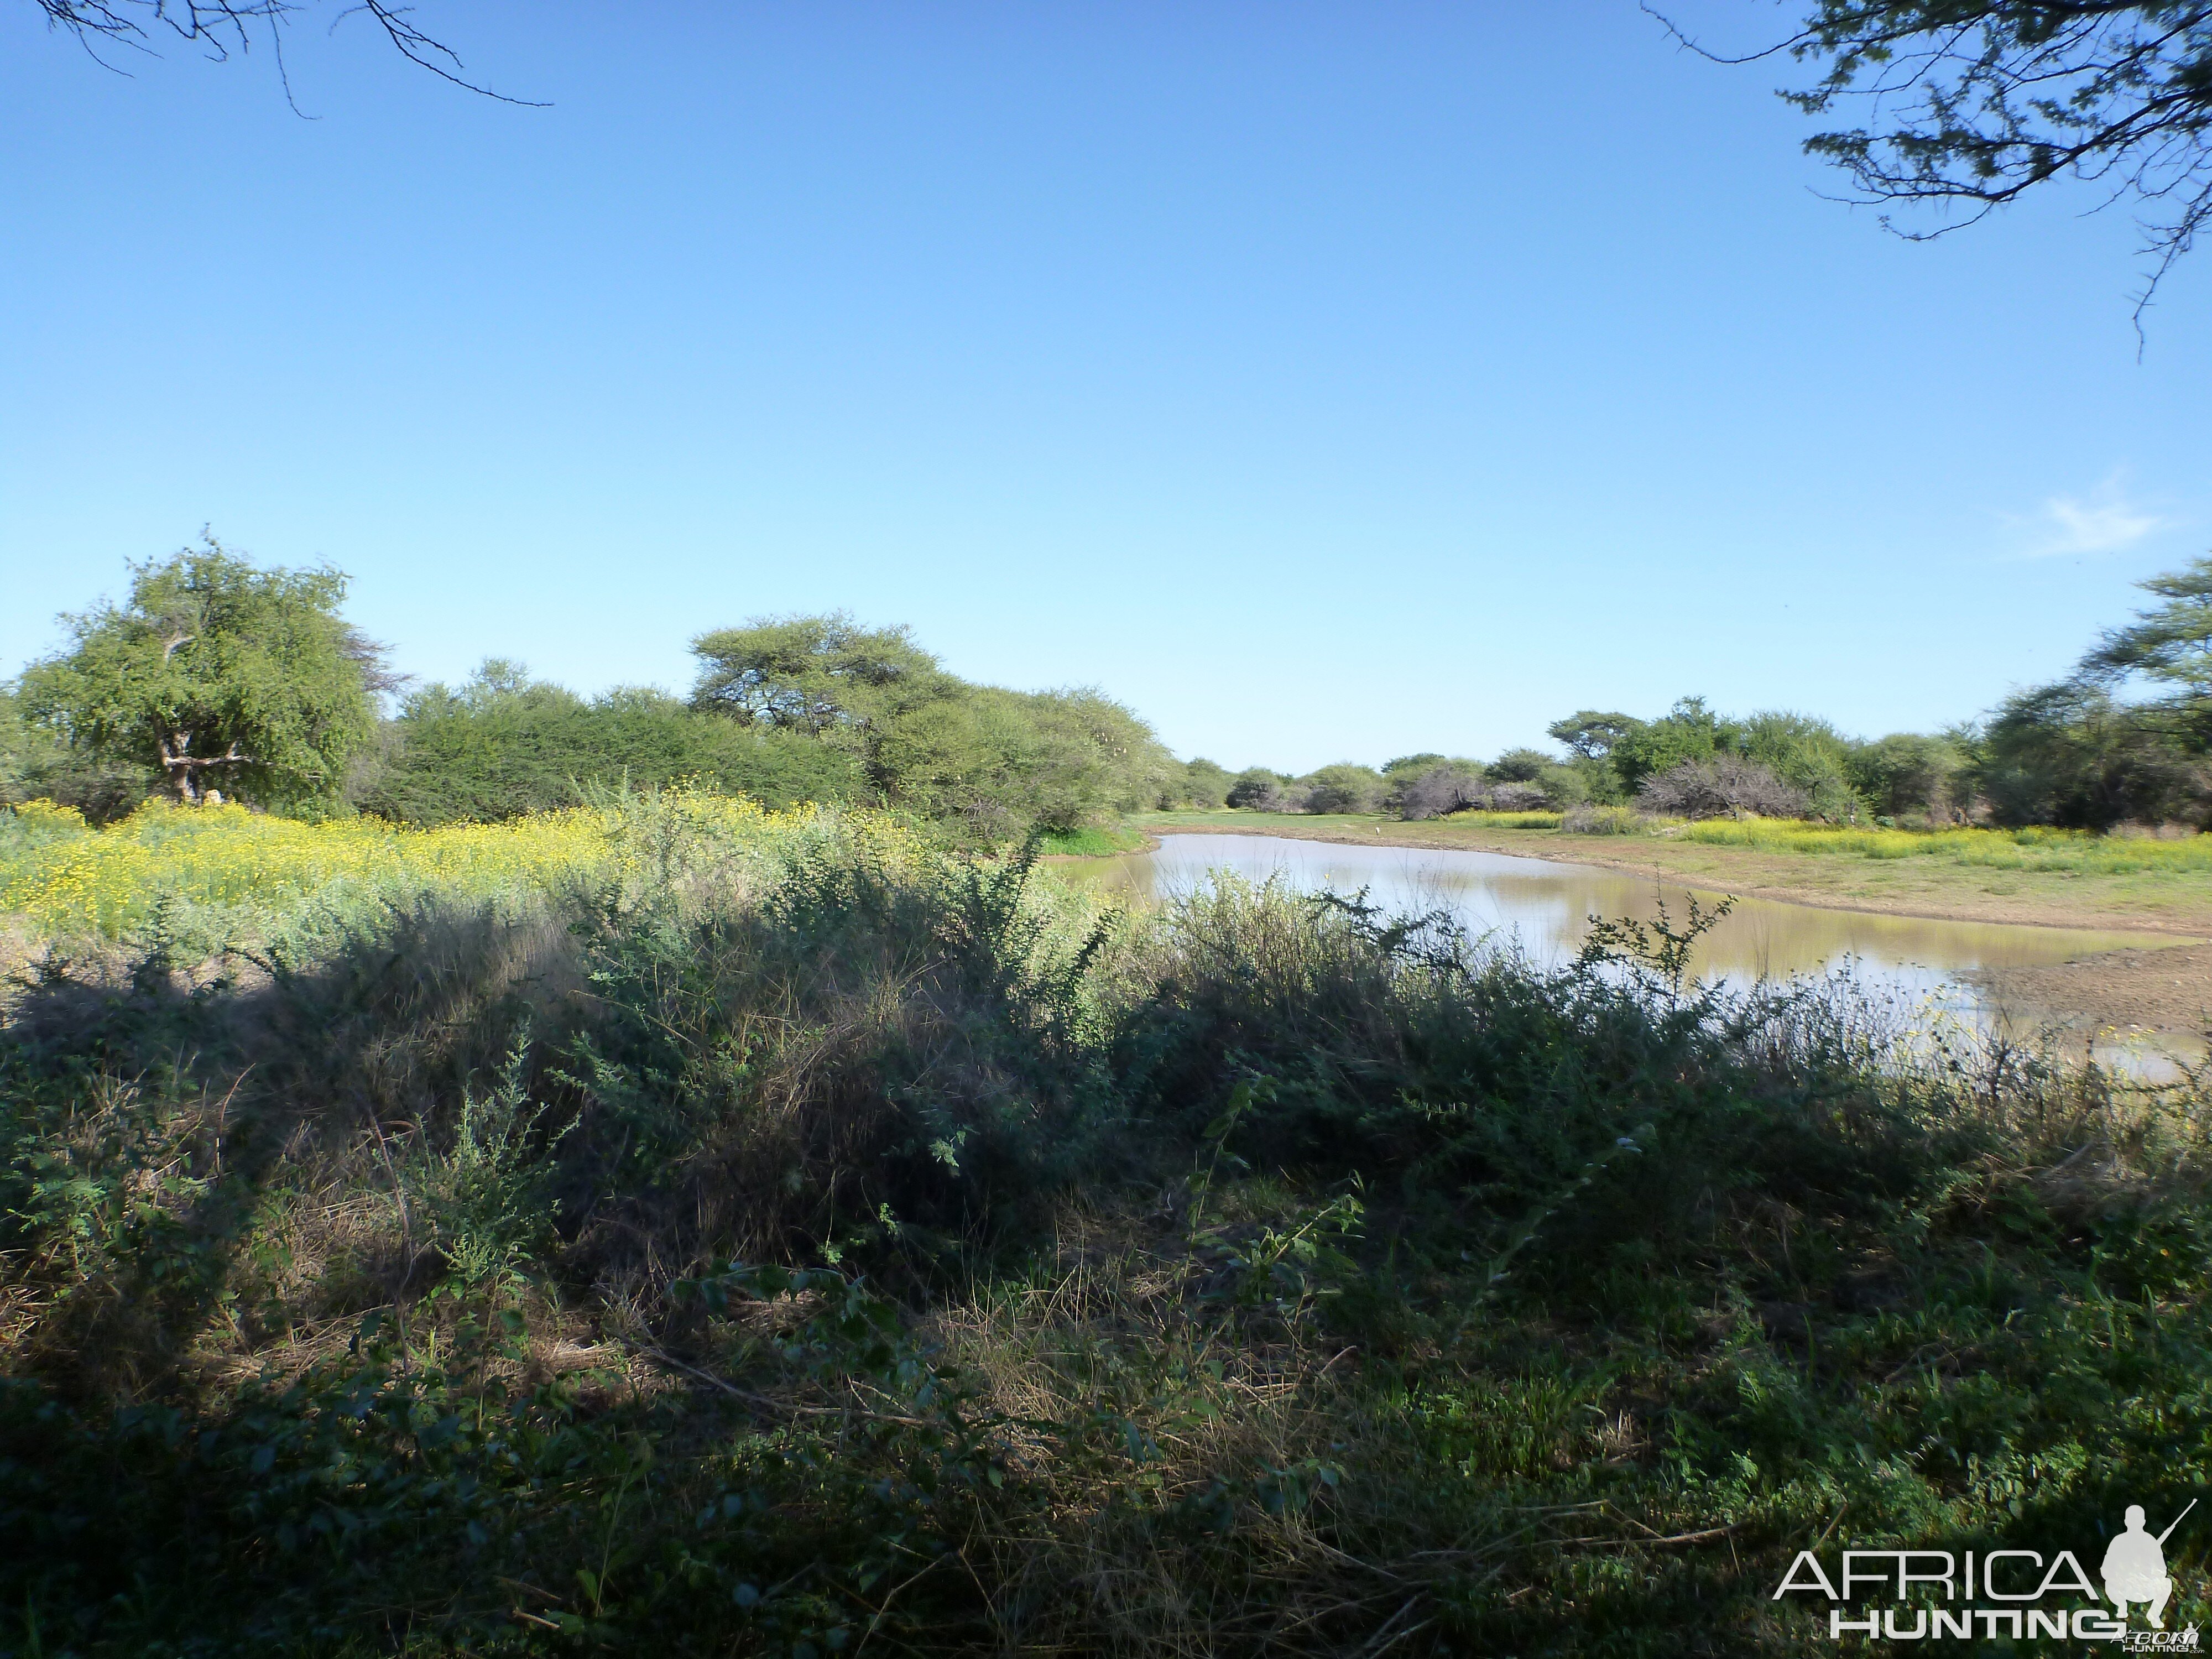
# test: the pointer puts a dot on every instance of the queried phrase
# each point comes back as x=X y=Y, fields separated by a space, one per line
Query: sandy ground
x=2154 y=989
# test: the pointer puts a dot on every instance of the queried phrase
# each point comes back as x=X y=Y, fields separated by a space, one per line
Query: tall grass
x=816 y=1243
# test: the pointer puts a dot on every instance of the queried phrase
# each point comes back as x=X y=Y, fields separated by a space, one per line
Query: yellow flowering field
x=2030 y=848
x=69 y=878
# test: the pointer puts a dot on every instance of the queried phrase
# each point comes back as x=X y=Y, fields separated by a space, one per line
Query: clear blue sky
x=1323 y=380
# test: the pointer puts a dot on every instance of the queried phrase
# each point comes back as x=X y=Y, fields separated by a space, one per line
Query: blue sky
x=1323 y=380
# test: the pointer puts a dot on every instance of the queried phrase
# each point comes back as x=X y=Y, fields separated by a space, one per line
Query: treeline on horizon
x=218 y=675
x=2074 y=754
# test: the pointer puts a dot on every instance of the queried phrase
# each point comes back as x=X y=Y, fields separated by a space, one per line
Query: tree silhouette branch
x=222 y=27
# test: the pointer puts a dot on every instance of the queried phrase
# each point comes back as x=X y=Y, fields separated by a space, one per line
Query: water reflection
x=1547 y=907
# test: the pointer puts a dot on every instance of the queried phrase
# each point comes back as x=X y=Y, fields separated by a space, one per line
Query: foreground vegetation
x=769 y=1233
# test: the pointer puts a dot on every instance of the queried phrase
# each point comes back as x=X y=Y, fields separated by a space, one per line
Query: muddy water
x=1547 y=908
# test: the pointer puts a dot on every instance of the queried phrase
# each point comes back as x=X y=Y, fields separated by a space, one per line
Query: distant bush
x=1725 y=785
x=1907 y=775
x=35 y=764
x=1255 y=789
x=1464 y=786
x=994 y=761
x=1410 y=764
x=1807 y=753
x=1592 y=819
x=1343 y=787
x=1521 y=766
x=1516 y=798
x=1203 y=784
x=1434 y=791
x=2072 y=755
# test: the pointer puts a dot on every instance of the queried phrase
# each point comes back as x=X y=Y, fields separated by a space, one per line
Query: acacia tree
x=216 y=672
x=2170 y=645
x=1970 y=103
x=925 y=739
x=824 y=676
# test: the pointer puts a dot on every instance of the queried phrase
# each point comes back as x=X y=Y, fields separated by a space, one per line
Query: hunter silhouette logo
x=2015 y=1595
x=2134 y=1567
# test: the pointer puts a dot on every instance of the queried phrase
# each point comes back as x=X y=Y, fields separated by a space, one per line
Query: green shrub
x=502 y=746
x=1263 y=1274
x=1343 y=787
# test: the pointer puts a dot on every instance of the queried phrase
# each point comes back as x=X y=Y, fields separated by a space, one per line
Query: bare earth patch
x=2167 y=990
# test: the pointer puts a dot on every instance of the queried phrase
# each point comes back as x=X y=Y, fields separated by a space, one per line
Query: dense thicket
x=786 y=1251
x=503 y=744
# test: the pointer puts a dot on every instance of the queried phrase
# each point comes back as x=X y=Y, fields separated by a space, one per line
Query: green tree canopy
x=2170 y=645
x=218 y=673
x=1909 y=774
x=1687 y=731
x=502 y=744
x=1410 y=763
x=1593 y=733
x=1344 y=786
x=926 y=740
x=1204 y=783
x=820 y=674
x=2068 y=754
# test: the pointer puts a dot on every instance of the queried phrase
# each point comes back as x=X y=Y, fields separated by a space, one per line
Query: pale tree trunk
x=184 y=767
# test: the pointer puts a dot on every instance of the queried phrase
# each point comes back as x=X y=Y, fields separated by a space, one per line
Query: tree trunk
x=176 y=757
x=184 y=767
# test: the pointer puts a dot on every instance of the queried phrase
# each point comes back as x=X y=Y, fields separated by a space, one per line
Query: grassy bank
x=798 y=1240
x=1090 y=842
x=2049 y=876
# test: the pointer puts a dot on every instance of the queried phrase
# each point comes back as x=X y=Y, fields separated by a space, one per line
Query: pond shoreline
x=2153 y=986
x=2199 y=931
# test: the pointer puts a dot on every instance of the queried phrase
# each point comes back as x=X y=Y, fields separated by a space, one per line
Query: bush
x=1908 y=776
x=1433 y=790
x=1592 y=819
x=1464 y=786
x=1262 y=1275
x=2070 y=755
x=1722 y=786
x=1343 y=787
x=996 y=763
x=1204 y=785
x=1521 y=766
x=1255 y=789
x=503 y=745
